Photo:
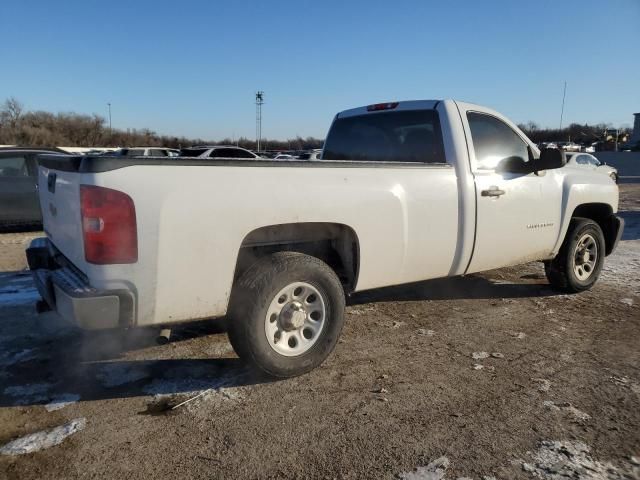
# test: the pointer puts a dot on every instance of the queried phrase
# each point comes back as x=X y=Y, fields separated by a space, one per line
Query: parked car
x=405 y=191
x=217 y=151
x=284 y=156
x=143 y=152
x=312 y=155
x=19 y=202
x=584 y=160
x=568 y=146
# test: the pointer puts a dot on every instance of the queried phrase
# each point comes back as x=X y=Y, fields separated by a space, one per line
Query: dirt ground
x=491 y=375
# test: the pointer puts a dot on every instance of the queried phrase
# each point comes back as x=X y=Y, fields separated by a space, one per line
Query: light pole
x=259 y=102
x=564 y=94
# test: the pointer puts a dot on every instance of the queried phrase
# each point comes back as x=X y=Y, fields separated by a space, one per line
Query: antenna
x=259 y=102
x=564 y=94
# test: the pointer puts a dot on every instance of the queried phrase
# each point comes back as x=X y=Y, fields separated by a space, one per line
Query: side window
x=243 y=154
x=582 y=160
x=135 y=152
x=494 y=141
x=224 y=153
x=594 y=161
x=13 y=167
x=157 y=152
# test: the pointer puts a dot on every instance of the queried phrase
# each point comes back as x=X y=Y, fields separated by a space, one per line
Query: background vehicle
x=283 y=156
x=312 y=155
x=585 y=160
x=217 y=151
x=568 y=146
x=405 y=191
x=144 y=152
x=19 y=202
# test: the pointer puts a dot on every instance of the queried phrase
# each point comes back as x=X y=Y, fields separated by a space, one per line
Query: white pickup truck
x=404 y=191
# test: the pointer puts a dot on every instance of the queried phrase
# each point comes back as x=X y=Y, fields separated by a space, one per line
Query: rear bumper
x=67 y=292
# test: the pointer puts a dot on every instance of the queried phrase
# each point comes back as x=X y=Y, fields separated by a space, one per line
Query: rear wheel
x=286 y=314
x=578 y=264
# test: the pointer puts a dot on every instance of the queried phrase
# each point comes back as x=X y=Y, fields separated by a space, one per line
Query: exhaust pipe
x=164 y=336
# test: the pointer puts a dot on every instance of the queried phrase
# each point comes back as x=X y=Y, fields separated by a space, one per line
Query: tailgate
x=59 y=190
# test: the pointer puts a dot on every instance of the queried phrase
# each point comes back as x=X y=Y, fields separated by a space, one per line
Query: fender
x=581 y=189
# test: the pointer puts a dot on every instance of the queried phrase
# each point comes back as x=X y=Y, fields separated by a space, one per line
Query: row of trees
x=44 y=129
x=574 y=132
x=39 y=129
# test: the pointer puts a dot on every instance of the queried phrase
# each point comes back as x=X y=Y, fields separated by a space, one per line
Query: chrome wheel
x=295 y=318
x=585 y=257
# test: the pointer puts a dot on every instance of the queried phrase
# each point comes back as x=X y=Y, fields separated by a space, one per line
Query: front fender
x=583 y=190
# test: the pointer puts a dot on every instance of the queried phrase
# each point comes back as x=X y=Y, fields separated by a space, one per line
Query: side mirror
x=514 y=164
x=550 y=158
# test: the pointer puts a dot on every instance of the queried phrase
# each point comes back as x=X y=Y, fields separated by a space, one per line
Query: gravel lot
x=490 y=375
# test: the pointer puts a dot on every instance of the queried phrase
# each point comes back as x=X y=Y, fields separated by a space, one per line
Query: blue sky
x=192 y=67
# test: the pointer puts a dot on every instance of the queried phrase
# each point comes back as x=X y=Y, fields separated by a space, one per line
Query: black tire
x=251 y=297
x=561 y=272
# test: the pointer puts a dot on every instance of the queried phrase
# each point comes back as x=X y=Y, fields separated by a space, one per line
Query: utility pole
x=259 y=102
x=564 y=94
x=109 y=105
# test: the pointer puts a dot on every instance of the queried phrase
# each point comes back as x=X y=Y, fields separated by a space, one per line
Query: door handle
x=493 y=191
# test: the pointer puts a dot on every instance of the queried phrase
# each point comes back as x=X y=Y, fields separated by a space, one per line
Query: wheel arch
x=336 y=244
x=601 y=213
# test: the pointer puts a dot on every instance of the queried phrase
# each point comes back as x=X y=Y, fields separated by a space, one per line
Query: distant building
x=635 y=136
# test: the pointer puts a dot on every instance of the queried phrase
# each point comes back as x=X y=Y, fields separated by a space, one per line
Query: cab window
x=494 y=141
x=392 y=136
x=13 y=167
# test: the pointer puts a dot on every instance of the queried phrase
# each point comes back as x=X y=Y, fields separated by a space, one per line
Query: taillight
x=382 y=106
x=108 y=226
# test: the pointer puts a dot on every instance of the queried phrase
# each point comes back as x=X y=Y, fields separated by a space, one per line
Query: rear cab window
x=14 y=167
x=409 y=136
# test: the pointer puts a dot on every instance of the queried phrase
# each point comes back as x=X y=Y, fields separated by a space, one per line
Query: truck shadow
x=631 y=225
x=457 y=288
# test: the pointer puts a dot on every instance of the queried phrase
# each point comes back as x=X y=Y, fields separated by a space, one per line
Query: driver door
x=517 y=215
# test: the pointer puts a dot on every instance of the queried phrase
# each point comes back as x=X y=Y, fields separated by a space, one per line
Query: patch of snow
x=43 y=439
x=627 y=301
x=116 y=374
x=568 y=409
x=25 y=394
x=424 y=331
x=434 y=471
x=622 y=266
x=11 y=358
x=560 y=460
x=479 y=355
x=60 y=401
x=543 y=384
x=18 y=296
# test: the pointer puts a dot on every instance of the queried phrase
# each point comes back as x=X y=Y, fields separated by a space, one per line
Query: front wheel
x=286 y=314
x=578 y=264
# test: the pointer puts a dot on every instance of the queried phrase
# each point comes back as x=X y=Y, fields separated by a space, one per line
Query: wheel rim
x=295 y=319
x=585 y=257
